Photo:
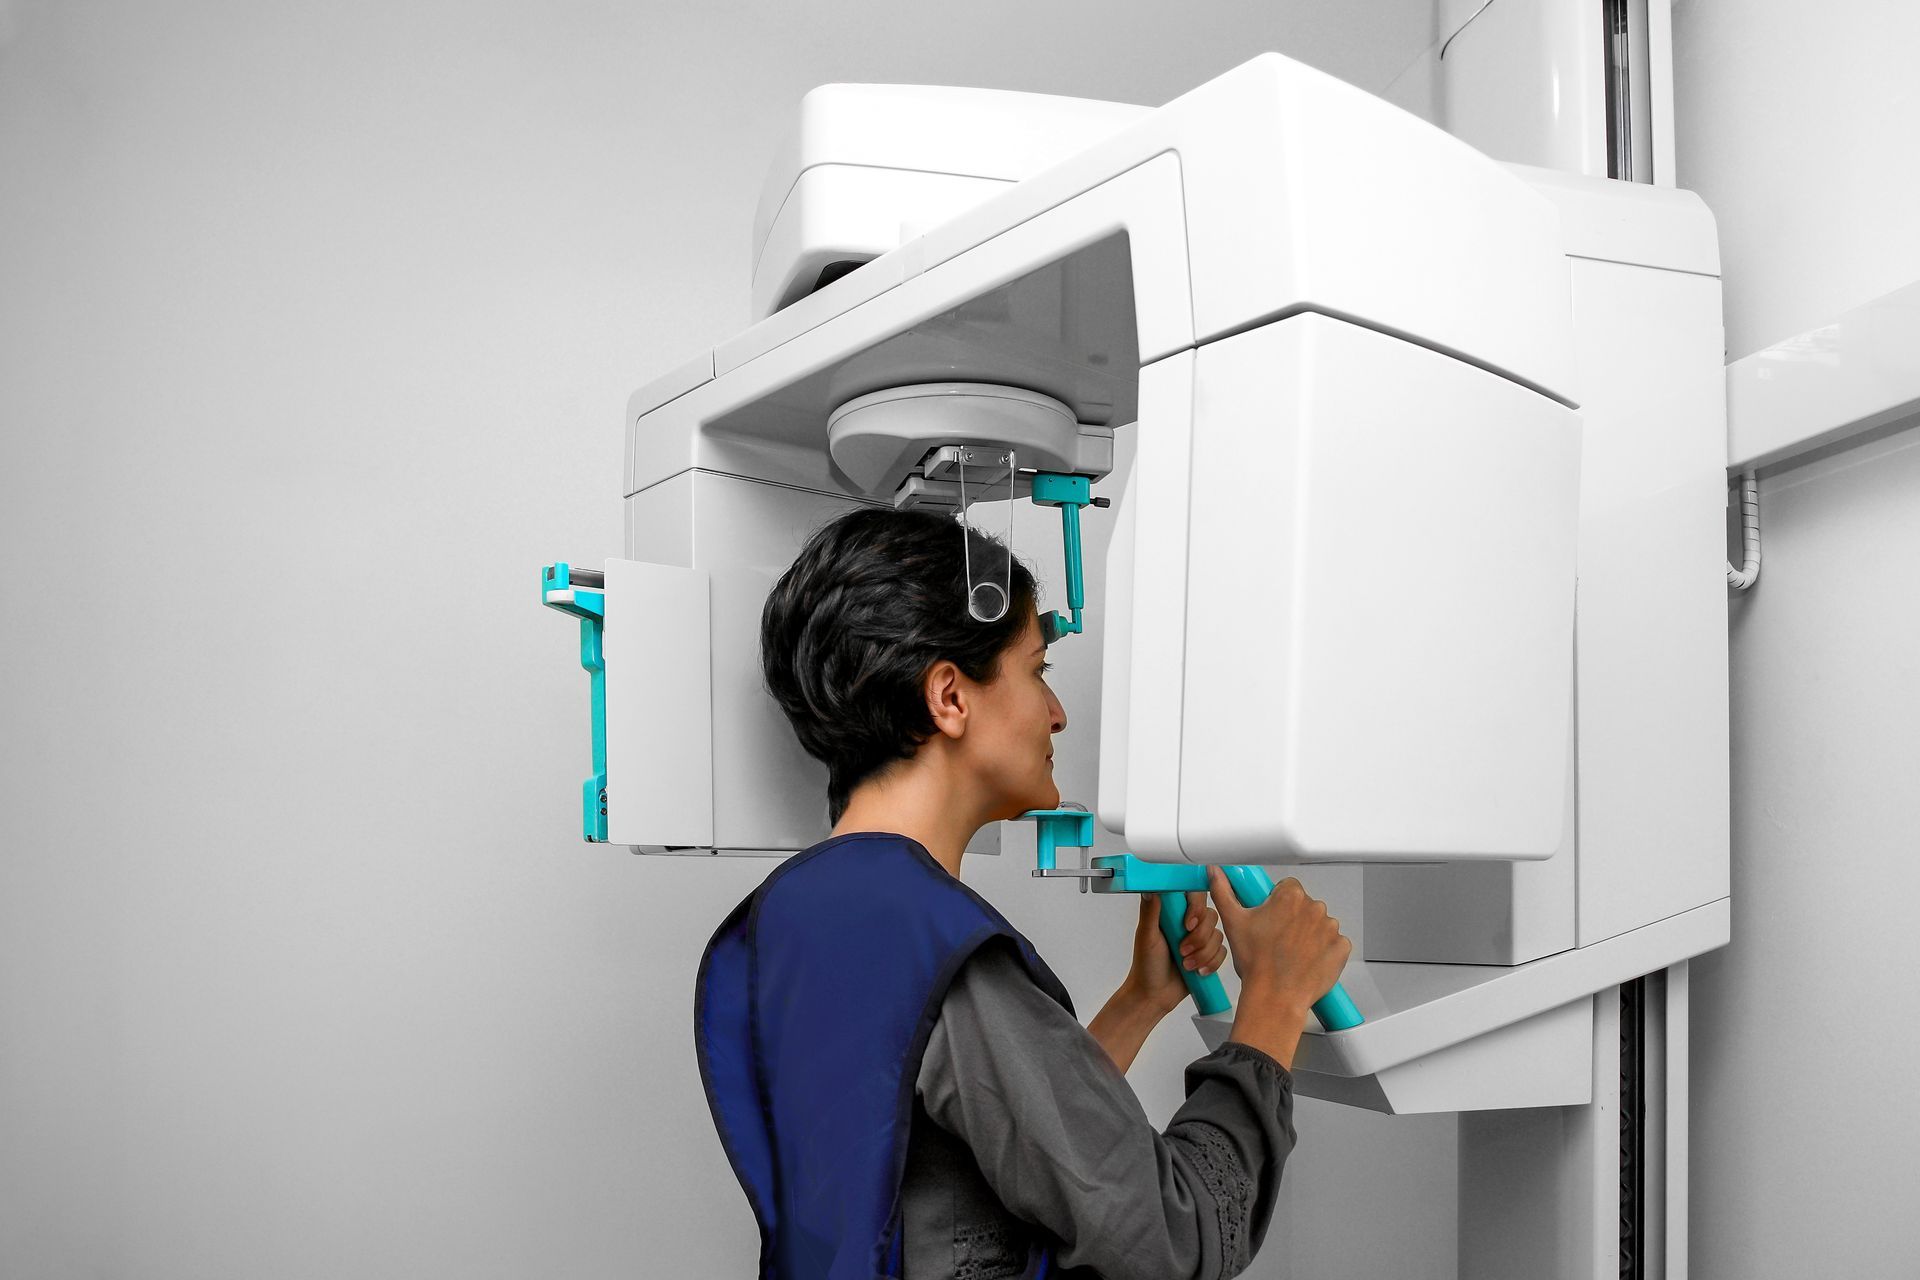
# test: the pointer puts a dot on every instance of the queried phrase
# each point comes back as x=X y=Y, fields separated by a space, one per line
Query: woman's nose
x=1057 y=712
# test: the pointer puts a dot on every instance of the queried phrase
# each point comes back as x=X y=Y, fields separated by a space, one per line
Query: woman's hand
x=1155 y=979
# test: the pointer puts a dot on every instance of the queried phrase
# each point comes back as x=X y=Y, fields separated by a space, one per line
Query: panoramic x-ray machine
x=1419 y=563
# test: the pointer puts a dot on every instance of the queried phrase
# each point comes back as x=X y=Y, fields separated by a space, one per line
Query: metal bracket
x=1069 y=493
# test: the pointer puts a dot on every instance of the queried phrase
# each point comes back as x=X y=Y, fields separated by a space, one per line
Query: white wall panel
x=1795 y=124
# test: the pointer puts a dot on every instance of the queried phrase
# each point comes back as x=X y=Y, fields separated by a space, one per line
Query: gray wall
x=316 y=324
x=1796 y=124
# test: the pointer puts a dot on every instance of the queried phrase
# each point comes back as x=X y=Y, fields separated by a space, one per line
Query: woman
x=899 y=1080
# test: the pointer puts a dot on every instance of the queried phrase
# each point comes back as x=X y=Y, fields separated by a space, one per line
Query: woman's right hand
x=1287 y=949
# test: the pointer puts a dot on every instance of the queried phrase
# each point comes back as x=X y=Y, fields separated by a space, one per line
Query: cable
x=1749 y=573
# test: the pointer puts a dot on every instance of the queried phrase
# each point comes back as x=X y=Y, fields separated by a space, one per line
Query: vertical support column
x=1662 y=1234
x=1540 y=1187
x=1593 y=1190
x=1660 y=89
x=1513 y=1169
x=1653 y=1208
x=1545 y=1191
x=1635 y=1018
x=1677 y=1097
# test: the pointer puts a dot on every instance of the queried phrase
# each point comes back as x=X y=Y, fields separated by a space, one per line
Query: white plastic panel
x=674 y=383
x=1651 y=615
x=1676 y=1073
x=1146 y=619
x=1478 y=912
x=1825 y=387
x=769 y=793
x=1116 y=643
x=763 y=794
x=659 y=730
x=1305 y=193
x=1660 y=110
x=1544 y=1061
x=1416 y=1013
x=1522 y=80
x=660 y=522
x=1540 y=1188
x=1367 y=212
x=1653 y=735
x=1629 y=222
x=1378 y=606
x=1413 y=1010
x=852 y=213
x=1144 y=203
x=849 y=291
x=995 y=134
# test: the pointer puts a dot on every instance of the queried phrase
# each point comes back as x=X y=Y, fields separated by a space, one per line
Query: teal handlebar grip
x=1208 y=992
x=1055 y=829
x=1336 y=1010
x=1250 y=885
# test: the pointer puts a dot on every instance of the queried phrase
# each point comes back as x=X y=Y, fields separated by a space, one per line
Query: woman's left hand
x=1156 y=977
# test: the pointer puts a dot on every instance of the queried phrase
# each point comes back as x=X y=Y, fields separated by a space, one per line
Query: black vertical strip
x=1633 y=1128
x=1616 y=51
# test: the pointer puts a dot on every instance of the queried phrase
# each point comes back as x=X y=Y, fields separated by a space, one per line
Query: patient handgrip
x=1056 y=829
x=1252 y=886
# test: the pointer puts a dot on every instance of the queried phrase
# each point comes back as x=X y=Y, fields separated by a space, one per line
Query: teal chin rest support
x=1056 y=829
x=558 y=591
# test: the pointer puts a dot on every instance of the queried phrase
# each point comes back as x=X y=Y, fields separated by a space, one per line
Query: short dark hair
x=873 y=600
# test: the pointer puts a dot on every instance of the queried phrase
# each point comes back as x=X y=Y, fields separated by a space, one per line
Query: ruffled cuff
x=1233 y=1050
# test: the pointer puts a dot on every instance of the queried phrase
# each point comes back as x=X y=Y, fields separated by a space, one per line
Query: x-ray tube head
x=986 y=476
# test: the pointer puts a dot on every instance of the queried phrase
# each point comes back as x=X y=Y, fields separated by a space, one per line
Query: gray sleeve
x=1063 y=1141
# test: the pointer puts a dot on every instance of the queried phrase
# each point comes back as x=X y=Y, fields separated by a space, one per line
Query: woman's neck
x=916 y=800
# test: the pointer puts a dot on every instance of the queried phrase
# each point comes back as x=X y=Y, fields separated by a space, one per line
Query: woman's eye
x=1045 y=667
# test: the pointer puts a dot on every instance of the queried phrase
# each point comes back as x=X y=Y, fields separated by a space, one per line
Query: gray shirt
x=1021 y=1118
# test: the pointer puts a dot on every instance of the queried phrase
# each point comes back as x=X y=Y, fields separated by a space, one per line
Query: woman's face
x=1017 y=718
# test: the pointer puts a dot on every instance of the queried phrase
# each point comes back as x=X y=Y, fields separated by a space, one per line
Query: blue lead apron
x=811 y=1014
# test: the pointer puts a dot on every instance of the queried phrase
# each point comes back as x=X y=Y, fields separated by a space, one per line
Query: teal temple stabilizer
x=1056 y=829
x=582 y=593
x=1069 y=493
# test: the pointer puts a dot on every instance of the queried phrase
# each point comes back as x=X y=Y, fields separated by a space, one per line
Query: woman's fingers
x=1205 y=946
x=1207 y=957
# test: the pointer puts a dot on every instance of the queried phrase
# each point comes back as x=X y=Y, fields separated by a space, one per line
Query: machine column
x=1597 y=1192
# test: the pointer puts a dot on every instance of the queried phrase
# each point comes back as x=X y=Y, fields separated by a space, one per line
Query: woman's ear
x=947 y=698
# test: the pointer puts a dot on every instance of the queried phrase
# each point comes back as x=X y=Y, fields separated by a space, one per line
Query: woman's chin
x=1040 y=797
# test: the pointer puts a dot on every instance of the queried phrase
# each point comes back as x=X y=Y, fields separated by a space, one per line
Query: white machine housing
x=1419 y=560
x=1100 y=282
x=870 y=166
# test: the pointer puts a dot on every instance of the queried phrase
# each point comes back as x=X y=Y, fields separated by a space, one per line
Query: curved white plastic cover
x=1355 y=557
x=878 y=439
x=868 y=166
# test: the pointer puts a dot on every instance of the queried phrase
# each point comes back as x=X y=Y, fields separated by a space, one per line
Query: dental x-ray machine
x=1419 y=564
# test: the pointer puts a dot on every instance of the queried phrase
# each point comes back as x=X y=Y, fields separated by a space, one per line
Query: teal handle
x=1056 y=829
x=1208 y=992
x=1252 y=886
